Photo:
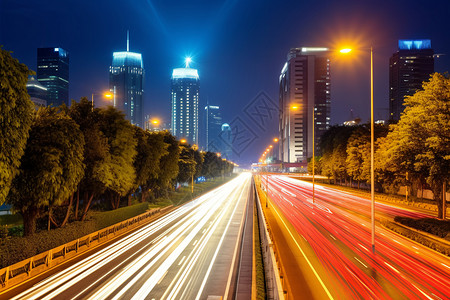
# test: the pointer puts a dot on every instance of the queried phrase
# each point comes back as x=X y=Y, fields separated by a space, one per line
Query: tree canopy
x=15 y=118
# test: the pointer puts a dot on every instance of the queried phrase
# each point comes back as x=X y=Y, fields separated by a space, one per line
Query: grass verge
x=259 y=263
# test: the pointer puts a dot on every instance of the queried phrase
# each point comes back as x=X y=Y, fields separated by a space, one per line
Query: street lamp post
x=106 y=95
x=372 y=145
x=313 y=155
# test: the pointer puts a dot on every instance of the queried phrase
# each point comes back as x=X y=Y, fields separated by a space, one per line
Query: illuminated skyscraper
x=126 y=81
x=185 y=97
x=53 y=73
x=213 y=122
x=411 y=65
x=304 y=88
x=38 y=93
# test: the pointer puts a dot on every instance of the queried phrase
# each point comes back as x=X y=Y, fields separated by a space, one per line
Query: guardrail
x=274 y=288
x=23 y=270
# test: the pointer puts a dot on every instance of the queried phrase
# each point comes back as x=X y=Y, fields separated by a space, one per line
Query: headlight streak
x=69 y=278
x=423 y=270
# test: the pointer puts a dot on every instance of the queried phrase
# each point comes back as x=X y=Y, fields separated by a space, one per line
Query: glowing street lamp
x=155 y=122
x=183 y=141
x=372 y=134
x=106 y=95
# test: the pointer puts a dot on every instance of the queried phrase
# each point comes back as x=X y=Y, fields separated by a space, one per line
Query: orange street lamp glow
x=155 y=122
x=270 y=146
x=345 y=51
x=294 y=107
x=219 y=155
x=275 y=140
x=108 y=95
x=183 y=141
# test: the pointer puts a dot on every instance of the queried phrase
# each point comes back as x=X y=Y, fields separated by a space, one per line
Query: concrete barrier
x=274 y=288
x=23 y=270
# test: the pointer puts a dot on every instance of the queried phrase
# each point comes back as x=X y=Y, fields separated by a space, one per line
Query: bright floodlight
x=188 y=60
x=345 y=51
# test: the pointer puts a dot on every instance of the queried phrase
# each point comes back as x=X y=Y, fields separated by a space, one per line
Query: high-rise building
x=53 y=73
x=185 y=97
x=411 y=65
x=37 y=92
x=126 y=81
x=213 y=124
x=304 y=92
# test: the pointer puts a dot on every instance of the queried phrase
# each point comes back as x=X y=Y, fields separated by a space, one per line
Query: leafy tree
x=212 y=165
x=16 y=112
x=96 y=154
x=168 y=166
x=156 y=148
x=51 y=167
x=358 y=154
x=420 y=141
x=186 y=164
x=118 y=174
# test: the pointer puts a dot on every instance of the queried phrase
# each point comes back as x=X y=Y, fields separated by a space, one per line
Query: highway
x=190 y=253
x=325 y=247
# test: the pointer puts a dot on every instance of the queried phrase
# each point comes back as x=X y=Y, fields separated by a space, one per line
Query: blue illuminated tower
x=126 y=81
x=411 y=65
x=185 y=97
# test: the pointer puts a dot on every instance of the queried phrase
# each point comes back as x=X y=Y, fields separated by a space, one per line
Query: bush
x=440 y=228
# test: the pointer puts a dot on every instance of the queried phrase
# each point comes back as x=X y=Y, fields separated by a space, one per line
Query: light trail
x=159 y=259
x=338 y=230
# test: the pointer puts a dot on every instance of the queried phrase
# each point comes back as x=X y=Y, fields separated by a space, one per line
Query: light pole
x=313 y=154
x=106 y=95
x=372 y=145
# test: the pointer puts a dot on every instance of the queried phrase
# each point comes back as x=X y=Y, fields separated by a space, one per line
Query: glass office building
x=53 y=73
x=185 y=97
x=126 y=81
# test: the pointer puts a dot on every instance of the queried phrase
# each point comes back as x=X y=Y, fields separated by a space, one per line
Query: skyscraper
x=213 y=124
x=53 y=73
x=411 y=65
x=185 y=97
x=126 y=81
x=304 y=92
x=37 y=92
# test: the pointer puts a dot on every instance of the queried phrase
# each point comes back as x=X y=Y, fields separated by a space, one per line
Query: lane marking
x=194 y=243
x=164 y=275
x=360 y=262
x=181 y=261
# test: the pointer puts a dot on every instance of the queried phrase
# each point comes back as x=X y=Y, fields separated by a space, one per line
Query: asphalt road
x=191 y=253
x=326 y=246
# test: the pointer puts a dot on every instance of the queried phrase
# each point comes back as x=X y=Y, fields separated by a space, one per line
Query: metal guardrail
x=25 y=269
x=272 y=274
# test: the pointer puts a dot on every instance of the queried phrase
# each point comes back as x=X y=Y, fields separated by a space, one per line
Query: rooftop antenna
x=128 y=40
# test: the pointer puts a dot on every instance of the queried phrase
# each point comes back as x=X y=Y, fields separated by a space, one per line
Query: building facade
x=213 y=125
x=126 y=81
x=53 y=73
x=411 y=65
x=304 y=102
x=37 y=92
x=185 y=96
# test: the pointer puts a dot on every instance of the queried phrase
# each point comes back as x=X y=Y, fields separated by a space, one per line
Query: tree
x=168 y=166
x=51 y=167
x=420 y=141
x=118 y=172
x=96 y=154
x=16 y=110
x=156 y=149
x=358 y=154
x=186 y=164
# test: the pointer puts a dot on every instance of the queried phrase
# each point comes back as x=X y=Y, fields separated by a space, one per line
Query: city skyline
x=164 y=39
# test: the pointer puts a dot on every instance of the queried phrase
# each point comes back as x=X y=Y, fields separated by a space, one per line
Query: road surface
x=325 y=247
x=190 y=253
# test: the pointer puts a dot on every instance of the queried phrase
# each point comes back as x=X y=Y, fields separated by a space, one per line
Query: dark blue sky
x=239 y=47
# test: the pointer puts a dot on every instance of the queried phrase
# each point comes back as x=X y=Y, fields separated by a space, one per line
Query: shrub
x=440 y=228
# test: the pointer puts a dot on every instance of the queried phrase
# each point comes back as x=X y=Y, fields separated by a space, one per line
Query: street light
x=372 y=134
x=106 y=95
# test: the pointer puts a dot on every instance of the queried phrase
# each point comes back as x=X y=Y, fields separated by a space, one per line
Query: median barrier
x=274 y=288
x=23 y=270
x=429 y=240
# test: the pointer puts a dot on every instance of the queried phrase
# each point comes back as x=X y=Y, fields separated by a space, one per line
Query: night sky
x=239 y=47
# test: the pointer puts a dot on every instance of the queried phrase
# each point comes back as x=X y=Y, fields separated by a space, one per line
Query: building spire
x=128 y=40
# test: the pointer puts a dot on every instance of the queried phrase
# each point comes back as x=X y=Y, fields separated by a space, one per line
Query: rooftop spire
x=128 y=40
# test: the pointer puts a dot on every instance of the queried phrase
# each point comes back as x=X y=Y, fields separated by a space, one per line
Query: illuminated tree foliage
x=51 y=167
x=420 y=142
x=16 y=111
